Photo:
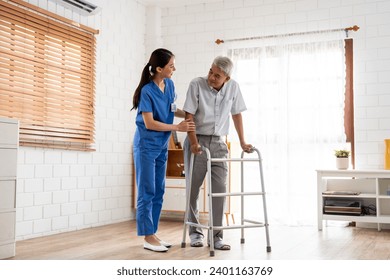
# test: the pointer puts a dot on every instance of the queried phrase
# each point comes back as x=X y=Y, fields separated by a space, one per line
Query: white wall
x=190 y=31
x=62 y=190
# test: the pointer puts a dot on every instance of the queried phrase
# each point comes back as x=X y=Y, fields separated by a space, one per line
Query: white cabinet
x=9 y=141
x=372 y=192
x=175 y=195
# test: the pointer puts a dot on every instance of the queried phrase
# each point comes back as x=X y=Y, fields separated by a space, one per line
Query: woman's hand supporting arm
x=150 y=123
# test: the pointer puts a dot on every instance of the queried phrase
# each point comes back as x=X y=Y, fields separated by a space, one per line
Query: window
x=47 y=78
x=295 y=94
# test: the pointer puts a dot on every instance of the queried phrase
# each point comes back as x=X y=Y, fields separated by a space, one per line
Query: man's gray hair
x=224 y=63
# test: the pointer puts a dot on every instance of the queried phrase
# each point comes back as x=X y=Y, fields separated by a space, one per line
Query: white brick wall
x=62 y=190
x=190 y=33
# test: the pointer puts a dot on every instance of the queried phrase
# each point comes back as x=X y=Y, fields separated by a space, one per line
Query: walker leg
x=242 y=200
x=267 y=238
x=188 y=191
x=183 y=242
x=268 y=248
x=264 y=206
x=210 y=188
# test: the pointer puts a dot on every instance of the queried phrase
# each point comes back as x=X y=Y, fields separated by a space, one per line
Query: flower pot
x=342 y=163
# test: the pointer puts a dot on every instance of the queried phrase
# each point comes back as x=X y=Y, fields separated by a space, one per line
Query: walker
x=244 y=222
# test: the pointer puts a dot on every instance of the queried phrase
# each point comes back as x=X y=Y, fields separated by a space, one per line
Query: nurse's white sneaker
x=155 y=248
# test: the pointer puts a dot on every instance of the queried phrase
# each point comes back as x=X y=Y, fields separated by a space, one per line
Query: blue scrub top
x=153 y=100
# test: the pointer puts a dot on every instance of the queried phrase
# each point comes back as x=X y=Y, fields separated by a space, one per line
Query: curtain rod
x=352 y=28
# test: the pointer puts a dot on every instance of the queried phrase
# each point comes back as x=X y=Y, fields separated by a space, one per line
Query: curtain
x=294 y=90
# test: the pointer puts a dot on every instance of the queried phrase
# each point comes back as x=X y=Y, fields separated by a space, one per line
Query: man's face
x=216 y=77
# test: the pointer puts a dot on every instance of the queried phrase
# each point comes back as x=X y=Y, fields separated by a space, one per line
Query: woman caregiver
x=155 y=100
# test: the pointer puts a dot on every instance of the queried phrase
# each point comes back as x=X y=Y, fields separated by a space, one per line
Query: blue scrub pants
x=150 y=167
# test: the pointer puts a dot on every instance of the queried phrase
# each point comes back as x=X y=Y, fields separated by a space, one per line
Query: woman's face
x=168 y=69
x=216 y=77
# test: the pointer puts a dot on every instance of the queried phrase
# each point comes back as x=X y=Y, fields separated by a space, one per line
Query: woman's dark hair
x=158 y=58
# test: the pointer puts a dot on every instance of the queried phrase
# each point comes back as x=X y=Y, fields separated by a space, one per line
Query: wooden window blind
x=47 y=79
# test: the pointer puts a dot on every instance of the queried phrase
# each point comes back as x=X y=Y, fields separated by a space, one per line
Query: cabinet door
x=7 y=225
x=174 y=199
x=7 y=194
x=175 y=194
x=9 y=134
x=384 y=187
x=175 y=182
x=8 y=162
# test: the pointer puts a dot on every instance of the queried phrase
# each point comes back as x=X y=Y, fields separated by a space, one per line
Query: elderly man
x=209 y=102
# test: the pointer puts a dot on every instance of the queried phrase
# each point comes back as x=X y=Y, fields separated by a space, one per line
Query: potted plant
x=342 y=159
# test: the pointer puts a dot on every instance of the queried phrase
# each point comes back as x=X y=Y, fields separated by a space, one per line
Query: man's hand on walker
x=247 y=148
x=196 y=149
